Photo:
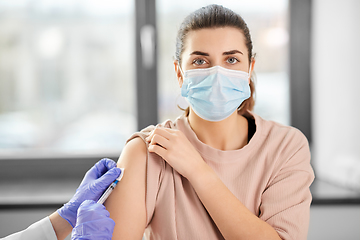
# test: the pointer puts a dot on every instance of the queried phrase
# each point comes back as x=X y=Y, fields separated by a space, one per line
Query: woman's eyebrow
x=232 y=52
x=199 y=53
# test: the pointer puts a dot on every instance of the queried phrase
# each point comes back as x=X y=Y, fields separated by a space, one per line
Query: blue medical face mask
x=215 y=93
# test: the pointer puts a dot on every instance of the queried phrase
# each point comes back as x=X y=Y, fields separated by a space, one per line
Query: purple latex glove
x=95 y=182
x=93 y=222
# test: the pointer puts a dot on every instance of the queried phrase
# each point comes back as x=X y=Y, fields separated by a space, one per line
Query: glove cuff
x=69 y=212
x=94 y=230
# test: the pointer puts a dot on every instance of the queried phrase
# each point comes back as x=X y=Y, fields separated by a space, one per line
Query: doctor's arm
x=92 y=223
x=62 y=228
x=59 y=224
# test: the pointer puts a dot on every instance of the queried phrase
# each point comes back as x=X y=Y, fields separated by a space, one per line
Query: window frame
x=300 y=65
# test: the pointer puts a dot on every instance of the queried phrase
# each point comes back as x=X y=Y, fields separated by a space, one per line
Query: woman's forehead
x=215 y=40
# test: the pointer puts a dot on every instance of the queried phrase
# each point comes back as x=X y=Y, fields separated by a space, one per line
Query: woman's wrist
x=201 y=174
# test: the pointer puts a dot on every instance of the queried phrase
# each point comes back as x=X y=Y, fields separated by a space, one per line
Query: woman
x=219 y=171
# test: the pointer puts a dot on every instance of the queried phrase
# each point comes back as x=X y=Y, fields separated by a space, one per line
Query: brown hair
x=214 y=16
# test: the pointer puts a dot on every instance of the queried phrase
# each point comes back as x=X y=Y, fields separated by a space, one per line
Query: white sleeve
x=41 y=230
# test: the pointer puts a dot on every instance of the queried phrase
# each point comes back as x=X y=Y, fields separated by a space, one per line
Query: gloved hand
x=95 y=182
x=93 y=222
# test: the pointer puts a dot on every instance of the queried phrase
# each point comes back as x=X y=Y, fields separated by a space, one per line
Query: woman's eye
x=232 y=60
x=199 y=61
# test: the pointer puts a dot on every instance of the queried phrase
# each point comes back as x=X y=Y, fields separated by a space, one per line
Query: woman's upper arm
x=126 y=203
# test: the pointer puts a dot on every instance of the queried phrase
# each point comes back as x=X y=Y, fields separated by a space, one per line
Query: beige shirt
x=271 y=176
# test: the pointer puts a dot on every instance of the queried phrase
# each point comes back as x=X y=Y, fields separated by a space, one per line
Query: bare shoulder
x=133 y=153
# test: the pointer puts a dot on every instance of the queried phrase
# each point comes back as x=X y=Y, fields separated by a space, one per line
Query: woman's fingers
x=159 y=140
x=174 y=147
x=164 y=132
x=158 y=150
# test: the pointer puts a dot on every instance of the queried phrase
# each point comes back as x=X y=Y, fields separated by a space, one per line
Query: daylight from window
x=66 y=76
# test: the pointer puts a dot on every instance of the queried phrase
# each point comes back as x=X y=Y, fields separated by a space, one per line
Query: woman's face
x=211 y=47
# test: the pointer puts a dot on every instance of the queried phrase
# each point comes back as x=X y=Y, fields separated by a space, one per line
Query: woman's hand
x=174 y=147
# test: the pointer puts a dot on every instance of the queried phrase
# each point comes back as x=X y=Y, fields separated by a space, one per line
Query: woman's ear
x=252 y=65
x=178 y=73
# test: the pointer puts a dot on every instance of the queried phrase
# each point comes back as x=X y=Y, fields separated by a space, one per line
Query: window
x=67 y=83
x=67 y=70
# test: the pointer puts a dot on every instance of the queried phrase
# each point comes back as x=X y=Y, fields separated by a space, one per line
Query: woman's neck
x=228 y=134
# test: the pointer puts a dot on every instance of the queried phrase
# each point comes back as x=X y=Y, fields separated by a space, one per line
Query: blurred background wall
x=335 y=91
x=335 y=85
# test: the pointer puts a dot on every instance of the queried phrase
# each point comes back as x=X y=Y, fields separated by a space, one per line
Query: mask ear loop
x=182 y=73
x=186 y=109
x=250 y=70
x=249 y=79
